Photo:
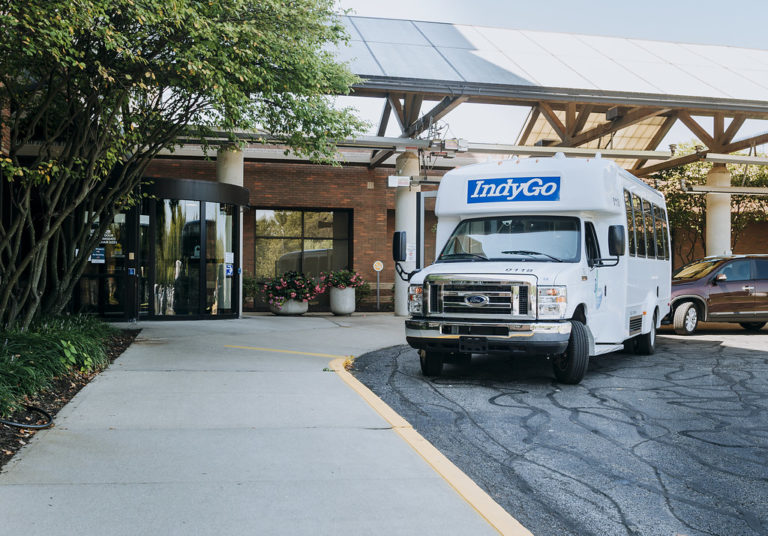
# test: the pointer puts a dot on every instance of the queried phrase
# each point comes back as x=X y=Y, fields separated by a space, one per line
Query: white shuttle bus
x=563 y=257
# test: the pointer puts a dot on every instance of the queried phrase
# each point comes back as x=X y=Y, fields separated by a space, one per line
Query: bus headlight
x=553 y=302
x=415 y=299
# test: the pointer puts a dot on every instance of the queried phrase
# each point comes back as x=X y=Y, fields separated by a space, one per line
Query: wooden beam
x=435 y=114
x=411 y=108
x=584 y=114
x=398 y=108
x=697 y=129
x=630 y=118
x=673 y=162
x=554 y=121
x=385 y=118
x=664 y=129
x=570 y=118
x=533 y=116
x=718 y=128
x=379 y=157
x=733 y=128
x=744 y=144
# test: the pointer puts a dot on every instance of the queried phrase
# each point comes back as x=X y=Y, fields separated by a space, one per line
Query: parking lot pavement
x=671 y=443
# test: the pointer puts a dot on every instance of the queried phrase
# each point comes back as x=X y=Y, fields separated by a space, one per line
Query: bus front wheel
x=571 y=366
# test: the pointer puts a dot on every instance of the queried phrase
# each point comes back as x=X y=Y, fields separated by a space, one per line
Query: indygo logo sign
x=513 y=189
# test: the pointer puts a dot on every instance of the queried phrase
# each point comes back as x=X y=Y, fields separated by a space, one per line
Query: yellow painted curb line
x=478 y=499
x=280 y=351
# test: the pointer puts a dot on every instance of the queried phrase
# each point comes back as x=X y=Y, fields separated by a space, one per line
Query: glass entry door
x=188 y=269
x=105 y=288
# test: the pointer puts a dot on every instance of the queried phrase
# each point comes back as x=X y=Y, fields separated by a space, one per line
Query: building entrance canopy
x=583 y=91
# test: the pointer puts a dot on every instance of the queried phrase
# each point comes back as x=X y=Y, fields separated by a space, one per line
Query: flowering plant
x=291 y=286
x=342 y=279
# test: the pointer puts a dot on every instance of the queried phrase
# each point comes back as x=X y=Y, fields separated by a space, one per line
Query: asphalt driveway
x=667 y=444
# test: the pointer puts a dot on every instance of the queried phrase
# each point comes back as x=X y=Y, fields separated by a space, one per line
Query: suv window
x=696 y=269
x=761 y=267
x=737 y=270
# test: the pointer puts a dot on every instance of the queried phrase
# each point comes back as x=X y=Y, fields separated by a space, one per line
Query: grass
x=31 y=358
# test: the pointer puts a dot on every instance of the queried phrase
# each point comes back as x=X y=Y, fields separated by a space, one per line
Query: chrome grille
x=478 y=297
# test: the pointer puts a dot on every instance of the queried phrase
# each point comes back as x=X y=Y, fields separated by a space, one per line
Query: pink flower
x=293 y=294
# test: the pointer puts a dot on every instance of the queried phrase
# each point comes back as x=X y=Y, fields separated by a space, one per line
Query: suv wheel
x=752 y=326
x=686 y=318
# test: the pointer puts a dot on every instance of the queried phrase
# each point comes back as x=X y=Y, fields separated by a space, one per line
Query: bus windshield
x=515 y=238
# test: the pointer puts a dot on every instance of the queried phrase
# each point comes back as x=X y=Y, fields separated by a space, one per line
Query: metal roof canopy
x=584 y=91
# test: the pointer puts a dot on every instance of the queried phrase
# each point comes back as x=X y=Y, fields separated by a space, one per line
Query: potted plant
x=342 y=284
x=289 y=294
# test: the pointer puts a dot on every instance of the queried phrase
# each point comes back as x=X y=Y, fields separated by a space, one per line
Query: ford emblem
x=476 y=300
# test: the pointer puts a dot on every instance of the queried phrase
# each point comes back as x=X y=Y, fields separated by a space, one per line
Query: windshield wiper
x=470 y=255
x=526 y=252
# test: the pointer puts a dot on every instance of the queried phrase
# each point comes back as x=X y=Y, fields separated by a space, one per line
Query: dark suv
x=720 y=289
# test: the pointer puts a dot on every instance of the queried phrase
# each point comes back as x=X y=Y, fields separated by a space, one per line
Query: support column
x=229 y=165
x=718 y=232
x=407 y=164
x=229 y=170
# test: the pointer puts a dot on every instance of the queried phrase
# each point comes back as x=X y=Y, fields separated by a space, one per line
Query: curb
x=473 y=494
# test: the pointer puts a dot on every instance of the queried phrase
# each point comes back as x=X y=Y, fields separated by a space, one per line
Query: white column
x=229 y=170
x=718 y=232
x=229 y=165
x=405 y=220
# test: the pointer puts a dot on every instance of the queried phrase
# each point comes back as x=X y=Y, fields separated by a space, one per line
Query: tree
x=687 y=212
x=92 y=90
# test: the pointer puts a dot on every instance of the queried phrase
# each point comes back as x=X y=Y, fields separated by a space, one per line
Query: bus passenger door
x=604 y=312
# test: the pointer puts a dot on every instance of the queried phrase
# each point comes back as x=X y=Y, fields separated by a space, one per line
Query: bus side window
x=637 y=206
x=661 y=242
x=667 y=245
x=650 y=232
x=630 y=224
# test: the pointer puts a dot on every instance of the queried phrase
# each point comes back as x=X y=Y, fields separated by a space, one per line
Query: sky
x=739 y=23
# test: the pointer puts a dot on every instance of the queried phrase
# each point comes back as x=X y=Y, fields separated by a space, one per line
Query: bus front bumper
x=476 y=337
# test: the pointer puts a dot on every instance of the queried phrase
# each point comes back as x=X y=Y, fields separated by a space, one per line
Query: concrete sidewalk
x=231 y=427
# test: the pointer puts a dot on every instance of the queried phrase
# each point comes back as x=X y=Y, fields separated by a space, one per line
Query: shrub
x=291 y=286
x=31 y=358
x=342 y=279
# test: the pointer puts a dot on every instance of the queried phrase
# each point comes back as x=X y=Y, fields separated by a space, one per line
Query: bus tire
x=686 y=318
x=646 y=343
x=571 y=366
x=431 y=362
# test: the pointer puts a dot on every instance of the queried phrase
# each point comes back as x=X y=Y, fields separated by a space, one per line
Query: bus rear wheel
x=646 y=343
x=571 y=366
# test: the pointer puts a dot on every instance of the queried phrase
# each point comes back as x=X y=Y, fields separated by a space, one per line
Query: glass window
x=630 y=224
x=639 y=226
x=528 y=238
x=177 y=266
x=303 y=241
x=590 y=238
x=762 y=269
x=661 y=235
x=650 y=232
x=220 y=261
x=737 y=270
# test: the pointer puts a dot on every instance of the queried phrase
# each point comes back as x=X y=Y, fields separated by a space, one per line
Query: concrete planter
x=290 y=308
x=342 y=300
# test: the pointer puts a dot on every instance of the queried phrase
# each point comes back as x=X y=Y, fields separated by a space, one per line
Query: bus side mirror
x=398 y=246
x=616 y=245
